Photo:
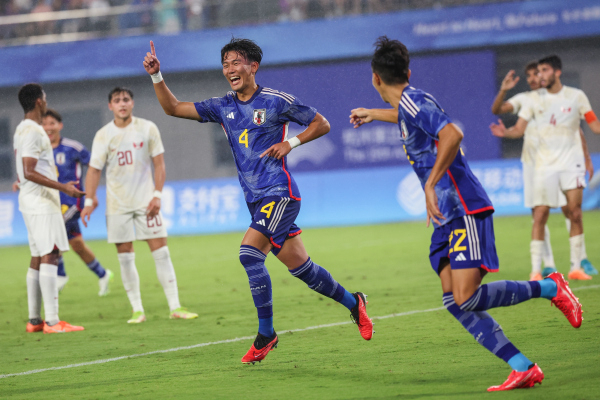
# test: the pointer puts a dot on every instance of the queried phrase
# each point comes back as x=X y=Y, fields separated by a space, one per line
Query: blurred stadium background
x=318 y=50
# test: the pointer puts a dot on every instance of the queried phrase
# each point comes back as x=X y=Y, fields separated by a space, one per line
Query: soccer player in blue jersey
x=462 y=247
x=70 y=157
x=255 y=120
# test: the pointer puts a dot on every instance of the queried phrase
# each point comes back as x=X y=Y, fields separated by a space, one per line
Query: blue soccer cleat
x=588 y=268
x=547 y=271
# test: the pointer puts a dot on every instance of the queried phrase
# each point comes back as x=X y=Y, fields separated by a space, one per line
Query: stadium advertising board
x=330 y=198
x=326 y=39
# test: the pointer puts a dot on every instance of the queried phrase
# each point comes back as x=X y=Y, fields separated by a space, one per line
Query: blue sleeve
x=84 y=156
x=296 y=112
x=430 y=117
x=210 y=110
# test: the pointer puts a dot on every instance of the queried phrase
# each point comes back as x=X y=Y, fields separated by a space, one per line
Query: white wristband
x=294 y=142
x=157 y=194
x=88 y=202
x=157 y=77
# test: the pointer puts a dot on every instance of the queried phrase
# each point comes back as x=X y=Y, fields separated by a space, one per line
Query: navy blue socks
x=320 y=280
x=61 y=267
x=253 y=261
x=506 y=293
x=97 y=268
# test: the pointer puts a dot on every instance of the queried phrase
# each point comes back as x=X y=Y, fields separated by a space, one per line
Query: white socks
x=49 y=290
x=547 y=256
x=131 y=280
x=537 y=250
x=576 y=242
x=166 y=276
x=34 y=295
x=583 y=249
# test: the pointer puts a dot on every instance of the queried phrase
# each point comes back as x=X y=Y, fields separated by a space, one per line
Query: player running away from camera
x=462 y=247
x=39 y=202
x=129 y=146
x=528 y=157
x=255 y=120
x=560 y=163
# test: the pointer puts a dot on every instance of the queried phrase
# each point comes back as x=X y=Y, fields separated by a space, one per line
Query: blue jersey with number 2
x=252 y=127
x=420 y=119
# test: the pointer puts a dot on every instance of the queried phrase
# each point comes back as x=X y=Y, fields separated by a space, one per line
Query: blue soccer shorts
x=72 y=225
x=467 y=242
x=274 y=217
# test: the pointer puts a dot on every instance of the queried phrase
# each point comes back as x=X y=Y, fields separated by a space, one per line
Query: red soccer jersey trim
x=469 y=212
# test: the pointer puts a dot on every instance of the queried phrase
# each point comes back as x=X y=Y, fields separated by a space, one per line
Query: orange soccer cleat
x=359 y=316
x=34 y=328
x=578 y=275
x=565 y=300
x=521 y=380
x=62 y=327
x=535 y=276
x=260 y=348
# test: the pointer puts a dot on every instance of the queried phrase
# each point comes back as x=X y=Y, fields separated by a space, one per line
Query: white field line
x=107 y=360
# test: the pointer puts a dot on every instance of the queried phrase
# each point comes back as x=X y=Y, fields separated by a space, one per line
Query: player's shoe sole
x=260 y=348
x=182 y=313
x=547 y=271
x=521 y=380
x=566 y=301
x=62 y=327
x=359 y=316
x=578 y=275
x=104 y=283
x=137 y=318
x=588 y=268
x=30 y=328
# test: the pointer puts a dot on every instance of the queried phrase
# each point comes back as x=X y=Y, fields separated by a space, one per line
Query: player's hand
x=589 y=167
x=70 y=190
x=15 y=186
x=278 y=150
x=85 y=214
x=498 y=130
x=431 y=202
x=153 y=208
x=360 y=116
x=151 y=63
x=509 y=81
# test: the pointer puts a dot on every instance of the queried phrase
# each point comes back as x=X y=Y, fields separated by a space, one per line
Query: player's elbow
x=324 y=126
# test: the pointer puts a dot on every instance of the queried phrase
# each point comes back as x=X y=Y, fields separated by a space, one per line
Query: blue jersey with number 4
x=420 y=119
x=69 y=157
x=252 y=127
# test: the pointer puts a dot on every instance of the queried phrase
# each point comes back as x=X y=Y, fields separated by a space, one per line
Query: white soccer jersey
x=557 y=117
x=128 y=154
x=530 y=141
x=31 y=140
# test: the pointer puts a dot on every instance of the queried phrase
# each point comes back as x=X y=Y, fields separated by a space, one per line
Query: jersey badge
x=138 y=146
x=565 y=110
x=403 y=129
x=230 y=115
x=259 y=116
x=60 y=158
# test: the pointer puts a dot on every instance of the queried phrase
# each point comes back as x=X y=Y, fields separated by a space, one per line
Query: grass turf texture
x=423 y=355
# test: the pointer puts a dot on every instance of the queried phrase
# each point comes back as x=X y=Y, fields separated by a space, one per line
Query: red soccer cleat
x=565 y=300
x=34 y=328
x=521 y=380
x=360 y=317
x=260 y=348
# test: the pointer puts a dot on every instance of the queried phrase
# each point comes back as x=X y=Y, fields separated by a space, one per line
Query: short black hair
x=531 y=65
x=117 y=90
x=553 y=61
x=54 y=114
x=244 y=47
x=29 y=94
x=390 y=61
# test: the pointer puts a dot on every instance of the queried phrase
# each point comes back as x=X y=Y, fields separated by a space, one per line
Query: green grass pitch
x=419 y=355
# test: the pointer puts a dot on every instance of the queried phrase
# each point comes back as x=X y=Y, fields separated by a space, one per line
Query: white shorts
x=549 y=186
x=125 y=228
x=528 y=187
x=45 y=232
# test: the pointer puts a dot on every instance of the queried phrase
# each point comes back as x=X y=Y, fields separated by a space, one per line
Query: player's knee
x=575 y=214
x=249 y=256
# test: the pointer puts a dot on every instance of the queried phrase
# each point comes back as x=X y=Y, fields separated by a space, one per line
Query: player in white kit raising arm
x=528 y=156
x=559 y=163
x=129 y=147
x=39 y=202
